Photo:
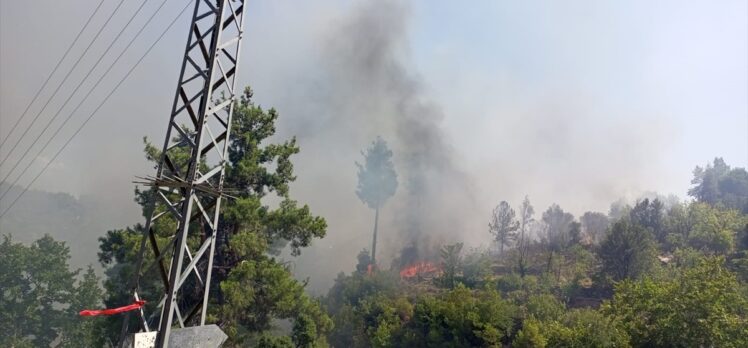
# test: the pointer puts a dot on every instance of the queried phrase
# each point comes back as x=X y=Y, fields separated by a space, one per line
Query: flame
x=369 y=269
x=417 y=268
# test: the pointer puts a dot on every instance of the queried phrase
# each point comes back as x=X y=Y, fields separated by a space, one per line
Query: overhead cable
x=62 y=148
x=61 y=83
x=101 y=57
x=51 y=74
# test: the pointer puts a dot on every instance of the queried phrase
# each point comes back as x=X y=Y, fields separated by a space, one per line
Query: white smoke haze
x=479 y=103
x=562 y=147
x=366 y=91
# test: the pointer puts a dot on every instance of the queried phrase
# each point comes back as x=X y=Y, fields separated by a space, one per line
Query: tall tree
x=526 y=212
x=503 y=225
x=83 y=331
x=377 y=182
x=627 y=251
x=713 y=230
x=40 y=296
x=251 y=287
x=451 y=262
x=558 y=230
x=718 y=184
x=594 y=226
x=618 y=209
x=649 y=214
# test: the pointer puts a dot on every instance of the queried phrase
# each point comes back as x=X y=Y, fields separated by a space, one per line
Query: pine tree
x=377 y=182
x=503 y=225
x=252 y=287
x=525 y=219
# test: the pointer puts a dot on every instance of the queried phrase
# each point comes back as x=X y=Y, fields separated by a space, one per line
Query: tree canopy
x=627 y=251
x=700 y=307
x=40 y=296
x=719 y=184
x=503 y=225
x=377 y=179
x=253 y=288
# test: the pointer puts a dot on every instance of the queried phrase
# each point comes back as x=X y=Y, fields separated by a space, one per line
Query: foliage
x=372 y=311
x=678 y=223
x=585 y=328
x=476 y=269
x=576 y=328
x=618 y=209
x=383 y=320
x=40 y=296
x=461 y=318
x=713 y=230
x=739 y=260
x=594 y=226
x=526 y=212
x=703 y=301
x=377 y=179
x=348 y=300
x=653 y=302
x=719 y=185
x=544 y=307
x=558 y=237
x=364 y=262
x=451 y=263
x=83 y=331
x=503 y=225
x=377 y=182
x=530 y=336
x=267 y=287
x=649 y=215
x=558 y=227
x=627 y=251
x=272 y=341
x=253 y=288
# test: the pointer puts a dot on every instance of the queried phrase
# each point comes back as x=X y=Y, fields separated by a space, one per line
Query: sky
x=577 y=102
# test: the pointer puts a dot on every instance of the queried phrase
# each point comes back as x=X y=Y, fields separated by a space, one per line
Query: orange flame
x=418 y=268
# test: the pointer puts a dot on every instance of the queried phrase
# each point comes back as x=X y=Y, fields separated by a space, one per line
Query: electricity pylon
x=188 y=192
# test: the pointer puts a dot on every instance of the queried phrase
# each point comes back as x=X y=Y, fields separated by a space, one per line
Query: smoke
x=362 y=83
x=436 y=194
x=362 y=89
x=514 y=100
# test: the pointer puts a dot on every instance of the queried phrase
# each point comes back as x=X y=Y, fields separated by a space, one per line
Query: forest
x=660 y=272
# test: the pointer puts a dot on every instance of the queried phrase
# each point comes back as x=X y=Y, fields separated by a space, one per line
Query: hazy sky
x=573 y=102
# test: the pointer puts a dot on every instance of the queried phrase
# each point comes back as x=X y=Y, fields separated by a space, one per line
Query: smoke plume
x=369 y=91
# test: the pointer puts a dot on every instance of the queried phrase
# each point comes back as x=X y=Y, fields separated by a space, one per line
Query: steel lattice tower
x=189 y=192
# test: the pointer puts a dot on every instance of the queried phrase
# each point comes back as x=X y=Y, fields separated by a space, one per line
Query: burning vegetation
x=423 y=269
x=650 y=272
x=560 y=281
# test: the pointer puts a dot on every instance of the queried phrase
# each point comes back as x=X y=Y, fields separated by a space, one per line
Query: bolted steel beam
x=189 y=192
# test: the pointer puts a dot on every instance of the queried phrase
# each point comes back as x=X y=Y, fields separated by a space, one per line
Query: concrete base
x=208 y=336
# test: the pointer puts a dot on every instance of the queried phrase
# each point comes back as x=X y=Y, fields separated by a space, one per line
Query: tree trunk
x=522 y=254
x=374 y=241
x=521 y=260
x=550 y=259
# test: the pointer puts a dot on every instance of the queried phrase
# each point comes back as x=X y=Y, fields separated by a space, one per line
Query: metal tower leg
x=189 y=193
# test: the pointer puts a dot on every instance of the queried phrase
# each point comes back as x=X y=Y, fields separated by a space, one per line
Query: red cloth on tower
x=110 y=311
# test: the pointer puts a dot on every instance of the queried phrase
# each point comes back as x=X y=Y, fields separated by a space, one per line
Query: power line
x=61 y=83
x=72 y=113
x=52 y=73
x=90 y=71
x=97 y=108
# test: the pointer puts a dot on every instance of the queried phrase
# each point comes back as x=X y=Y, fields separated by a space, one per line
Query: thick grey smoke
x=515 y=99
x=366 y=90
x=372 y=83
